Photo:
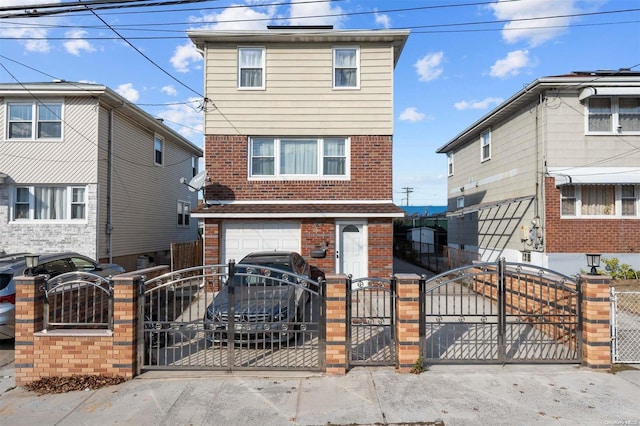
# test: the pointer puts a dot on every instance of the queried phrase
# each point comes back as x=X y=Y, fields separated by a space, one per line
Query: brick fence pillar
x=125 y=322
x=596 y=321
x=336 y=324
x=29 y=320
x=408 y=321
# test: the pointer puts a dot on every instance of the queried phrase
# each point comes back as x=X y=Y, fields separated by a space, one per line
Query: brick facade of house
x=579 y=235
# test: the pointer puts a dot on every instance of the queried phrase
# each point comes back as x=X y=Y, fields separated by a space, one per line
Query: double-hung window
x=251 y=67
x=299 y=157
x=158 y=151
x=184 y=213
x=485 y=145
x=346 y=68
x=450 y=163
x=49 y=203
x=34 y=120
x=606 y=115
x=605 y=201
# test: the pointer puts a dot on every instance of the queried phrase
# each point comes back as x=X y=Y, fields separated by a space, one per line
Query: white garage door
x=242 y=238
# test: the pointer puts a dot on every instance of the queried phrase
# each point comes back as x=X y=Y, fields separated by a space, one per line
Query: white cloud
x=128 y=92
x=78 y=44
x=383 y=20
x=169 y=90
x=530 y=30
x=428 y=67
x=483 y=104
x=235 y=18
x=511 y=64
x=411 y=114
x=184 y=56
x=317 y=12
x=190 y=119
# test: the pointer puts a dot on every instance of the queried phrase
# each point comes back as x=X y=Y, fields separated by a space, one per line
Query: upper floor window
x=184 y=213
x=251 y=67
x=49 y=203
x=346 y=67
x=460 y=202
x=613 y=115
x=298 y=157
x=599 y=200
x=485 y=145
x=194 y=166
x=450 y=163
x=34 y=121
x=158 y=150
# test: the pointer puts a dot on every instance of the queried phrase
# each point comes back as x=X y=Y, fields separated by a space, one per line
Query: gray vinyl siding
x=69 y=161
x=298 y=98
x=145 y=195
x=567 y=145
x=510 y=173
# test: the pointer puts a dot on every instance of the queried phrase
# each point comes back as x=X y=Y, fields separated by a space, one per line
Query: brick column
x=596 y=321
x=336 y=324
x=29 y=320
x=408 y=321
x=125 y=313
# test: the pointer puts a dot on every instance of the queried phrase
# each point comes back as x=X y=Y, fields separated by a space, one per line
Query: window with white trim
x=485 y=145
x=49 y=203
x=251 y=67
x=346 y=67
x=450 y=163
x=158 y=150
x=194 y=166
x=299 y=157
x=184 y=213
x=34 y=120
x=460 y=202
x=605 y=201
x=616 y=114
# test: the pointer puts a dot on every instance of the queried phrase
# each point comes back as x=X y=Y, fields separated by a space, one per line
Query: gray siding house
x=551 y=174
x=82 y=169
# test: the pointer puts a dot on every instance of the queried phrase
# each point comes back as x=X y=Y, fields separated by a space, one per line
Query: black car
x=270 y=291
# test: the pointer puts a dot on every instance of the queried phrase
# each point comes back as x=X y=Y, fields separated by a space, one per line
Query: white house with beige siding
x=82 y=169
x=551 y=174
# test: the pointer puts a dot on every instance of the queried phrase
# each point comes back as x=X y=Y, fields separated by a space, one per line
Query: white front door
x=351 y=256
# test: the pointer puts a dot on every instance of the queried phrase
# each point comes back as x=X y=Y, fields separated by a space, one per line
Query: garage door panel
x=242 y=238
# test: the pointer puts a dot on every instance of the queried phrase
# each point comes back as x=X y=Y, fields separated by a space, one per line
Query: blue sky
x=462 y=59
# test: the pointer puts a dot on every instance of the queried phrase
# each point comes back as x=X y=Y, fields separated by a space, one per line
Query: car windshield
x=5 y=278
x=263 y=274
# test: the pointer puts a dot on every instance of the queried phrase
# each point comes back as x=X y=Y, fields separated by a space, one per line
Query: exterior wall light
x=31 y=262
x=593 y=261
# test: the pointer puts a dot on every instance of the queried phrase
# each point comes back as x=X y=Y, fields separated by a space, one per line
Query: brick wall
x=371 y=173
x=586 y=235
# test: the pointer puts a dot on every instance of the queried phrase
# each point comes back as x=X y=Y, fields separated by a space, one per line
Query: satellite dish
x=198 y=181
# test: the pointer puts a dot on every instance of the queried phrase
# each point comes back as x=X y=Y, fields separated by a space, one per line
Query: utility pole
x=407 y=191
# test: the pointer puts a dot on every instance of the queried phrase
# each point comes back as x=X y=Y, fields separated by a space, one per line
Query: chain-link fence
x=625 y=323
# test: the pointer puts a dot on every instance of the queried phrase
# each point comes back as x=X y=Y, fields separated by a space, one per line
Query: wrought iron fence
x=78 y=300
x=625 y=326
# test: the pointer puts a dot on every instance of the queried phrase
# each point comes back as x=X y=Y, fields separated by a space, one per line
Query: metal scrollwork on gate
x=461 y=318
x=483 y=319
x=439 y=319
x=303 y=327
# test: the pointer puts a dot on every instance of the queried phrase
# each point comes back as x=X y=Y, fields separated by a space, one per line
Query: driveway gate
x=625 y=326
x=264 y=323
x=503 y=313
x=371 y=321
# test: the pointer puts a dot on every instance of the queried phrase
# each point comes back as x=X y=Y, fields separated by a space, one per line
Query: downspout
x=109 y=226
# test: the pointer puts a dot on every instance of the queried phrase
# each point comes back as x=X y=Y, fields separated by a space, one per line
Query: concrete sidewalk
x=455 y=394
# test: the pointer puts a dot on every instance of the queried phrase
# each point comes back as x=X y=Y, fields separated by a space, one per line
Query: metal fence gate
x=371 y=322
x=625 y=326
x=231 y=317
x=503 y=313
